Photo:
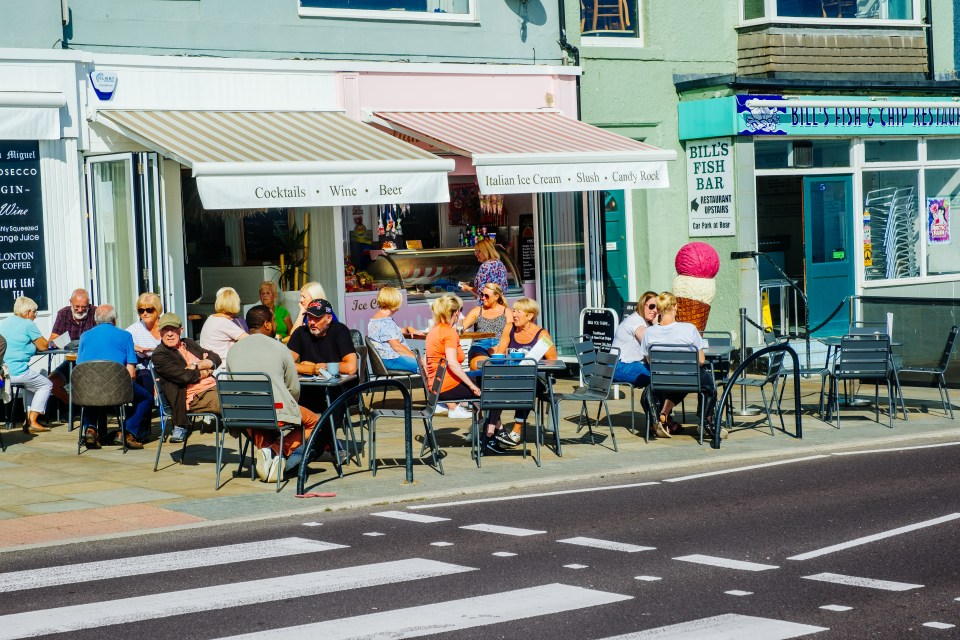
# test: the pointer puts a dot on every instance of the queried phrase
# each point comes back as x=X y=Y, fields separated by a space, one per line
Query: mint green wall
x=272 y=29
x=630 y=90
x=31 y=24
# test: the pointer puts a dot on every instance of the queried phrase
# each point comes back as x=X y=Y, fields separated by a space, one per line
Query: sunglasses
x=145 y=310
x=652 y=305
x=486 y=296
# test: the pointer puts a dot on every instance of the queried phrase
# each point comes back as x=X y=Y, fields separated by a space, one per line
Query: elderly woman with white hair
x=23 y=340
x=308 y=292
x=221 y=330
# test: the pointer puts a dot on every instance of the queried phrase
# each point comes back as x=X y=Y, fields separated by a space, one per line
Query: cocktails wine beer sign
x=23 y=266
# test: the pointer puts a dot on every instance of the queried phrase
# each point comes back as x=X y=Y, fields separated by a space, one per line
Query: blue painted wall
x=35 y=24
x=507 y=31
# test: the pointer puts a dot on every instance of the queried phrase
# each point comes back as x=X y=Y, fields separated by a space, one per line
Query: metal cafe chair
x=939 y=371
x=598 y=380
x=773 y=376
x=102 y=383
x=864 y=359
x=425 y=414
x=508 y=384
x=246 y=402
x=676 y=369
x=586 y=351
x=379 y=368
x=166 y=414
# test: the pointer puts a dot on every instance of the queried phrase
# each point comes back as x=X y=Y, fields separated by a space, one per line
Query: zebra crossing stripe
x=506 y=531
x=412 y=517
x=726 y=563
x=869 y=583
x=237 y=594
x=159 y=562
x=724 y=627
x=452 y=615
x=605 y=544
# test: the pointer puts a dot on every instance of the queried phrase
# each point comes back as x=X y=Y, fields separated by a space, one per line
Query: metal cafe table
x=327 y=384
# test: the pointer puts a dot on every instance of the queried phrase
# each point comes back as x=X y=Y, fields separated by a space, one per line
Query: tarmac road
x=848 y=545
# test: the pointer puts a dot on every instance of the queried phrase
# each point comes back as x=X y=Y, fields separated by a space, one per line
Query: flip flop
x=316 y=495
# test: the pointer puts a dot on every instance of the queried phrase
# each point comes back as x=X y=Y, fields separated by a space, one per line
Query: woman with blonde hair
x=308 y=292
x=221 y=330
x=23 y=340
x=443 y=341
x=269 y=294
x=146 y=334
x=491 y=269
x=490 y=316
x=387 y=336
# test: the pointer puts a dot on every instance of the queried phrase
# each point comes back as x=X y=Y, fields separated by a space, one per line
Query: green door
x=828 y=248
x=616 y=287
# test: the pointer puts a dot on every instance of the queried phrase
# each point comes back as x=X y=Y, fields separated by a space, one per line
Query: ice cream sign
x=938 y=220
x=710 y=187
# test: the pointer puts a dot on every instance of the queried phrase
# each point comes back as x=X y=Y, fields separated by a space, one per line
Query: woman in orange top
x=443 y=341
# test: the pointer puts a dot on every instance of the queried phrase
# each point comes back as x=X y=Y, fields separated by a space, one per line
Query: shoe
x=709 y=431
x=179 y=435
x=492 y=447
x=508 y=438
x=662 y=431
x=460 y=414
x=275 y=469
x=440 y=410
x=208 y=424
x=133 y=443
x=35 y=428
x=264 y=460
x=91 y=440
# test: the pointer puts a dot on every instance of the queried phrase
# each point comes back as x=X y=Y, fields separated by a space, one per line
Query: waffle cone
x=694 y=312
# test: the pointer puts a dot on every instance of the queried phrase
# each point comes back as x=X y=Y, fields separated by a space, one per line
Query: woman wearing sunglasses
x=146 y=335
x=631 y=367
x=490 y=316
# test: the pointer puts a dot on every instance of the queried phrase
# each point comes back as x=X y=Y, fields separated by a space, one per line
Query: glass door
x=152 y=237
x=828 y=248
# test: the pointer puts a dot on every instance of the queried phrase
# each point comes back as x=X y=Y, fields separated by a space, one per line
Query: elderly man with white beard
x=74 y=320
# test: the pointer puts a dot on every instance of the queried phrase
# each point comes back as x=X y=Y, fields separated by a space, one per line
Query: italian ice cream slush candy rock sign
x=697 y=264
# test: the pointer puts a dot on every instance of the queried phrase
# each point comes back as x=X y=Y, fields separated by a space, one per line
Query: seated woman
x=387 y=336
x=23 y=339
x=443 y=341
x=671 y=332
x=490 y=316
x=222 y=329
x=631 y=367
x=308 y=292
x=269 y=296
x=146 y=335
x=521 y=338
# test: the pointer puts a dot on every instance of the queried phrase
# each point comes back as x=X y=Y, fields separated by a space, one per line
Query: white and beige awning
x=535 y=151
x=30 y=115
x=262 y=159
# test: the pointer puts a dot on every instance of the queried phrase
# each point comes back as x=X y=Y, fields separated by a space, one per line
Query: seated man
x=261 y=352
x=185 y=372
x=107 y=342
x=74 y=319
x=320 y=341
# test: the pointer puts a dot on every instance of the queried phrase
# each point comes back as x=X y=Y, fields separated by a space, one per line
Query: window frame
x=770 y=17
x=391 y=16
x=593 y=40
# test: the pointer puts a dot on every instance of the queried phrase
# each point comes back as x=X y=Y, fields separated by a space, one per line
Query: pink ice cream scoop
x=697 y=263
x=697 y=259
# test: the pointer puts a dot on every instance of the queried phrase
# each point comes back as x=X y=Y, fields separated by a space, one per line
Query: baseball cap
x=170 y=319
x=319 y=308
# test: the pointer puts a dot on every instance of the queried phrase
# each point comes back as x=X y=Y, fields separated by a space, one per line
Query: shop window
x=943 y=149
x=943 y=190
x=831 y=10
x=429 y=10
x=891 y=225
x=610 y=18
x=890 y=150
x=801 y=154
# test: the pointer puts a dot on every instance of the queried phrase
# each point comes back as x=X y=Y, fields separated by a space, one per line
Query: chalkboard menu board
x=600 y=325
x=527 y=252
x=23 y=264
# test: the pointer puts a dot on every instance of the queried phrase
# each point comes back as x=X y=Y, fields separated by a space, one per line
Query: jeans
x=402 y=363
x=636 y=373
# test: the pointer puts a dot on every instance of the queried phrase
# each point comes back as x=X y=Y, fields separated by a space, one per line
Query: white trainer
x=460 y=414
x=264 y=457
x=440 y=410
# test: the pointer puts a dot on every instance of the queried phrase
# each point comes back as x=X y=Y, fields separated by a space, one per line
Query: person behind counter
x=443 y=341
x=387 y=336
x=308 y=292
x=490 y=316
x=491 y=269
x=221 y=330
x=269 y=294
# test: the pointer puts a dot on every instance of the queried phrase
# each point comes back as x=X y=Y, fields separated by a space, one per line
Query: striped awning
x=535 y=151
x=258 y=159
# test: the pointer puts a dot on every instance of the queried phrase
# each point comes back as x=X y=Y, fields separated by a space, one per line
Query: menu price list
x=23 y=269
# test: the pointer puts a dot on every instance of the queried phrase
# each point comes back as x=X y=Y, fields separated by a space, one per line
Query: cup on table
x=333 y=368
x=517 y=355
x=498 y=357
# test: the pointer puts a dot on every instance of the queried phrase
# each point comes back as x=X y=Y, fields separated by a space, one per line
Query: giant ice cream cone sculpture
x=697 y=263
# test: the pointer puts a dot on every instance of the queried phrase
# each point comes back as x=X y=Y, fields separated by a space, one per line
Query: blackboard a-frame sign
x=600 y=325
x=23 y=264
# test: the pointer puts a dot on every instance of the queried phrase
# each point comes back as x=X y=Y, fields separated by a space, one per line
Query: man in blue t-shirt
x=108 y=342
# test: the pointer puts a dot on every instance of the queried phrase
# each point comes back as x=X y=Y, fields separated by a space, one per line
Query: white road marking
x=441 y=544
x=836 y=607
x=737 y=592
x=507 y=531
x=869 y=583
x=728 y=626
x=747 y=468
x=872 y=538
x=596 y=543
x=374 y=534
x=525 y=496
x=313 y=524
x=412 y=517
x=939 y=625
x=922 y=446
x=156 y=563
x=575 y=566
x=647 y=578
x=504 y=554
x=726 y=563
x=235 y=594
x=445 y=617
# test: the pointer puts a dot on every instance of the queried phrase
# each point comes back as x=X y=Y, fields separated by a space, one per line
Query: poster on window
x=938 y=220
x=23 y=265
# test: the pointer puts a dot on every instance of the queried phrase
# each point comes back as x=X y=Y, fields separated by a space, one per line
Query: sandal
x=35 y=428
x=662 y=431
